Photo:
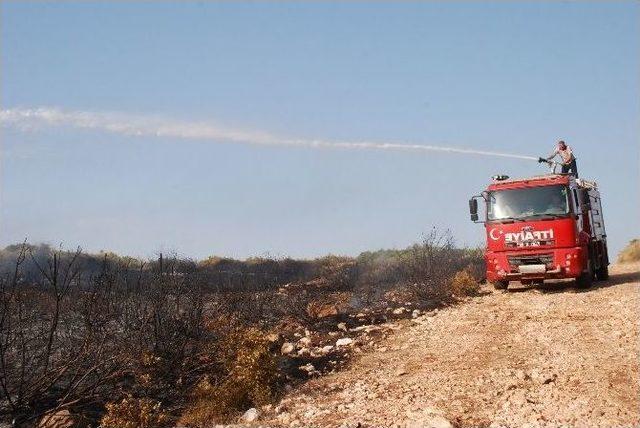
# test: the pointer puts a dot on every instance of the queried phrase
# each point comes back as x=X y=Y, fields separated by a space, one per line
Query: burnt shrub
x=147 y=342
x=338 y=272
x=425 y=269
x=250 y=377
x=430 y=264
x=72 y=340
x=135 y=413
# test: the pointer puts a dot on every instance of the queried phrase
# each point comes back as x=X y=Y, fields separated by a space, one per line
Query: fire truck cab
x=542 y=228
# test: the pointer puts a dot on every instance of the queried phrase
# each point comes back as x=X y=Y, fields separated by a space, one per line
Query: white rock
x=520 y=375
x=251 y=415
x=399 y=311
x=59 y=419
x=430 y=421
x=345 y=341
x=327 y=349
x=304 y=341
x=304 y=351
x=287 y=348
x=342 y=326
x=308 y=368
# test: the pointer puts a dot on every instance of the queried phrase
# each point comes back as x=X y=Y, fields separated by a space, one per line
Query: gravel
x=553 y=356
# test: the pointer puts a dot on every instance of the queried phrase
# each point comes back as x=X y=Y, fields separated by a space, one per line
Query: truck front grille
x=530 y=259
x=539 y=243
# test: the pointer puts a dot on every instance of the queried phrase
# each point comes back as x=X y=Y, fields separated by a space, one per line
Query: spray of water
x=133 y=125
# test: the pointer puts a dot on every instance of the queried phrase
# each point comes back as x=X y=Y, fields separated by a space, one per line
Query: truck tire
x=500 y=285
x=603 y=273
x=586 y=279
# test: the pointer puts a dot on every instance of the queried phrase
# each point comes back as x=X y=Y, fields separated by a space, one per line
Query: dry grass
x=251 y=379
x=134 y=413
x=630 y=253
x=464 y=284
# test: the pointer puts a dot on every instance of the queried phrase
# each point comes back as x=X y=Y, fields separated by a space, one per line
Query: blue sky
x=511 y=77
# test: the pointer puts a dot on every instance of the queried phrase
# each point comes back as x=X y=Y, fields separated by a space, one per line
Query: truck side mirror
x=473 y=209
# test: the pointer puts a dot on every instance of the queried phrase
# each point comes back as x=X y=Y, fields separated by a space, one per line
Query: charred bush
x=70 y=340
x=144 y=343
x=250 y=378
x=424 y=269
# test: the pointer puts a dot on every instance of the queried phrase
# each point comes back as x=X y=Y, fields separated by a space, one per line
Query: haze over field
x=447 y=80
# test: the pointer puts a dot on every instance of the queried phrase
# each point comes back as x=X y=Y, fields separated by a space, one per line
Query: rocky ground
x=552 y=356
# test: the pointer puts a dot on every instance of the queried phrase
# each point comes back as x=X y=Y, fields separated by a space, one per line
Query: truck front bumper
x=546 y=274
x=557 y=263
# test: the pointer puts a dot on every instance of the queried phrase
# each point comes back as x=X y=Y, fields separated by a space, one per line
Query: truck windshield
x=522 y=204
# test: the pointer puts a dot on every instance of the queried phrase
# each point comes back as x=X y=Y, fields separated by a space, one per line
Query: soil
x=549 y=356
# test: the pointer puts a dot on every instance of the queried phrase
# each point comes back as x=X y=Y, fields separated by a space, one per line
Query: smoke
x=150 y=126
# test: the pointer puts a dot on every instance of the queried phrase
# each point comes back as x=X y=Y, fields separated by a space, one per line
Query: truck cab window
x=525 y=203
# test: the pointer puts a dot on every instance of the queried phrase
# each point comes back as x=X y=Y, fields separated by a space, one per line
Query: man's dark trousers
x=572 y=166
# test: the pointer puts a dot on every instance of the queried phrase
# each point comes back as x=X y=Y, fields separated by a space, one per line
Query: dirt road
x=539 y=357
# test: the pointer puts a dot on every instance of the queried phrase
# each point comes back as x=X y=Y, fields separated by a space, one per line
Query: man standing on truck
x=568 y=159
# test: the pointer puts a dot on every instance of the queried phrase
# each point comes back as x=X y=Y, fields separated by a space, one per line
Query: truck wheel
x=602 y=273
x=585 y=280
x=500 y=285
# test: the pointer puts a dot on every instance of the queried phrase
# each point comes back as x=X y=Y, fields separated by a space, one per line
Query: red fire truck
x=542 y=228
